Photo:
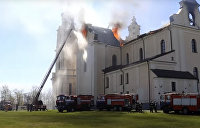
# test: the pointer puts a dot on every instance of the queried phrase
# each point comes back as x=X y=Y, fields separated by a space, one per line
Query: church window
x=95 y=36
x=173 y=86
x=127 y=78
x=85 y=66
x=121 y=79
x=114 y=60
x=127 y=58
x=195 y=72
x=162 y=45
x=107 y=82
x=191 y=19
x=141 y=54
x=194 y=46
x=70 y=88
x=58 y=65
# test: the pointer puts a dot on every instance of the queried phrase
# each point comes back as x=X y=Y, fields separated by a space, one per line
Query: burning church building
x=151 y=64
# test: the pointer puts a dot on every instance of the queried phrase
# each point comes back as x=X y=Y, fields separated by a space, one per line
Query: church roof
x=104 y=35
x=172 y=74
x=147 y=34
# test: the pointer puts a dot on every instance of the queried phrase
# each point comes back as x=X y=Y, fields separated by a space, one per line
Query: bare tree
x=47 y=98
x=19 y=97
x=5 y=93
x=33 y=93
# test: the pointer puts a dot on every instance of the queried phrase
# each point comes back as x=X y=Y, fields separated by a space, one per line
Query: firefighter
x=137 y=107
x=6 y=107
x=140 y=107
x=151 y=107
x=31 y=107
x=155 y=106
x=28 y=107
x=16 y=107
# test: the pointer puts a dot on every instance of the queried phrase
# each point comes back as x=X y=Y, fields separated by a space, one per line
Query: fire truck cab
x=184 y=103
x=72 y=103
x=101 y=102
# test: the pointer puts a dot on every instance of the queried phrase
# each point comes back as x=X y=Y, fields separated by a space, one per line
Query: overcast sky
x=28 y=30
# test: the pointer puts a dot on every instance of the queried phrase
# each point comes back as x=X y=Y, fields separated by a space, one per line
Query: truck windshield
x=162 y=97
x=61 y=98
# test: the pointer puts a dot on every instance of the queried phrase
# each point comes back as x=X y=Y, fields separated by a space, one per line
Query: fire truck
x=6 y=104
x=117 y=102
x=184 y=103
x=73 y=103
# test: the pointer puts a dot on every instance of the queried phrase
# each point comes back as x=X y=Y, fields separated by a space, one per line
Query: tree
x=5 y=93
x=47 y=98
x=33 y=93
x=19 y=97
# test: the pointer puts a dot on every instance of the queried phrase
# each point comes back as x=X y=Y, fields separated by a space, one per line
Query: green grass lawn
x=96 y=119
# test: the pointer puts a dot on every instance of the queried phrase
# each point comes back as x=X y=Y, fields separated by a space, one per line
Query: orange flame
x=84 y=31
x=116 y=34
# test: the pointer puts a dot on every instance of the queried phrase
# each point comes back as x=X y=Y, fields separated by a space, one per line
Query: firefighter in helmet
x=155 y=106
x=151 y=104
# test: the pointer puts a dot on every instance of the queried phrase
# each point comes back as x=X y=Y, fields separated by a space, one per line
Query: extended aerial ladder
x=38 y=104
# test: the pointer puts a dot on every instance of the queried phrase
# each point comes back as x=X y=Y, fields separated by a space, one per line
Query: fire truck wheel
x=185 y=111
x=60 y=110
x=176 y=111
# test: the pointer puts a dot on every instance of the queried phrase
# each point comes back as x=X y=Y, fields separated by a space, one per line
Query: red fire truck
x=117 y=101
x=180 y=103
x=72 y=103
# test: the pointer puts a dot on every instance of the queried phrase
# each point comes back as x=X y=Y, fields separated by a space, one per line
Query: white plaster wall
x=163 y=85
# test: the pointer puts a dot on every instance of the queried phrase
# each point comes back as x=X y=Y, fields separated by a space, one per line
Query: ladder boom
x=51 y=67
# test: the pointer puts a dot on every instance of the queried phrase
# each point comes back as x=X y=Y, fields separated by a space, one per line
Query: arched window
x=70 y=88
x=141 y=54
x=107 y=82
x=127 y=58
x=114 y=60
x=58 y=65
x=195 y=72
x=191 y=19
x=127 y=78
x=85 y=66
x=162 y=45
x=194 y=46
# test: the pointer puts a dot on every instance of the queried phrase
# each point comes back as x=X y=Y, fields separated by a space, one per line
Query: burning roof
x=104 y=35
x=115 y=31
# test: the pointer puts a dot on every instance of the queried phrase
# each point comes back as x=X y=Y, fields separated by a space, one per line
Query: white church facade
x=151 y=64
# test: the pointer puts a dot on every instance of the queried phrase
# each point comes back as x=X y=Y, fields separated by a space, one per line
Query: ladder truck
x=38 y=104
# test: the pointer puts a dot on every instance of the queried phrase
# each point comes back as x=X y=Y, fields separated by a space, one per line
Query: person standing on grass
x=155 y=106
x=6 y=108
x=140 y=107
x=31 y=107
x=151 y=107
x=16 y=107
x=28 y=107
